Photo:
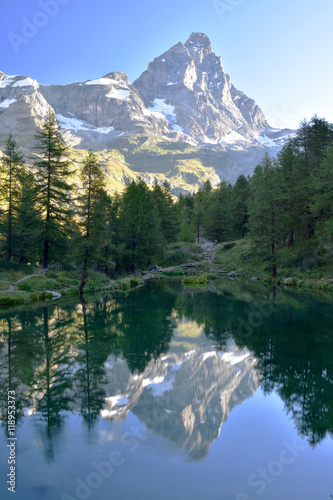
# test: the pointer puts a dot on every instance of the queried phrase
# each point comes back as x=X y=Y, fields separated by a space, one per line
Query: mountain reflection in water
x=180 y=362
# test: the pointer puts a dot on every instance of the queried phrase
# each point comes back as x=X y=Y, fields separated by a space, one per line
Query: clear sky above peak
x=278 y=53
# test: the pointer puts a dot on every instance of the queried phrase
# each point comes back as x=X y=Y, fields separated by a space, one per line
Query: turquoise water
x=169 y=393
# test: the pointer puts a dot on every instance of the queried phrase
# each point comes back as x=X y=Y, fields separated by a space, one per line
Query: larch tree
x=239 y=216
x=11 y=168
x=264 y=209
x=140 y=224
x=92 y=213
x=53 y=171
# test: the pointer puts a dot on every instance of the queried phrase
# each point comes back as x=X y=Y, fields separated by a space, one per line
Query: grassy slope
x=37 y=283
x=237 y=256
x=186 y=167
x=302 y=266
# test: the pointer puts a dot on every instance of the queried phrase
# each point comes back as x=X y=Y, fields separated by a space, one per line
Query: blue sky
x=277 y=52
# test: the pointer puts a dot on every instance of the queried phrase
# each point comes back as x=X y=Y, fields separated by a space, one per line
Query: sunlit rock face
x=188 y=393
x=184 y=98
x=190 y=78
x=184 y=94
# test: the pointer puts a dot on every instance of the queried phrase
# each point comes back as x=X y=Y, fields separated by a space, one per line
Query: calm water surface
x=222 y=394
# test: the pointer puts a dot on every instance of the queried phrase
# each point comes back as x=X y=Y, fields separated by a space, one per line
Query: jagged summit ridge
x=191 y=78
x=184 y=96
x=199 y=41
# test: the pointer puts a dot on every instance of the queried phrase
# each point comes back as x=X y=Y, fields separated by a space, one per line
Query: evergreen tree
x=239 y=216
x=291 y=202
x=217 y=217
x=264 y=209
x=167 y=211
x=322 y=199
x=11 y=167
x=199 y=212
x=140 y=224
x=29 y=228
x=313 y=139
x=53 y=170
x=92 y=213
x=185 y=208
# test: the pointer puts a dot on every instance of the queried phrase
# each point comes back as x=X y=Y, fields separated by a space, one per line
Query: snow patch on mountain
x=26 y=82
x=7 y=81
x=160 y=107
x=102 y=81
x=118 y=94
x=232 y=138
x=266 y=141
x=76 y=125
x=7 y=102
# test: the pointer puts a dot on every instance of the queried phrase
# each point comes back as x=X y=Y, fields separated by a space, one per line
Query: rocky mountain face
x=188 y=85
x=184 y=97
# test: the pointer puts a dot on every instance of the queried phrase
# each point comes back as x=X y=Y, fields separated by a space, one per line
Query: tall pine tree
x=53 y=170
x=92 y=213
x=11 y=169
x=264 y=209
x=141 y=229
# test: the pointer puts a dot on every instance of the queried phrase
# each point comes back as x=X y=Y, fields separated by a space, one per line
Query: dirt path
x=209 y=251
x=13 y=285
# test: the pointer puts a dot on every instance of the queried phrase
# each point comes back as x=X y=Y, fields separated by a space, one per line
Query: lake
x=170 y=393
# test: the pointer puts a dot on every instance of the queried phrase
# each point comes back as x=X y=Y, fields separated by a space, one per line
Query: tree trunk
x=84 y=277
x=291 y=238
x=274 y=271
x=114 y=271
x=46 y=254
x=9 y=235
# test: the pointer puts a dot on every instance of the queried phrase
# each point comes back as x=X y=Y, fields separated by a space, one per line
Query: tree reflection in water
x=55 y=357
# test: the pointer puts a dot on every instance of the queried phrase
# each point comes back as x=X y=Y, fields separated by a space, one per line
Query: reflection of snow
x=107 y=413
x=158 y=385
x=208 y=355
x=231 y=358
x=118 y=400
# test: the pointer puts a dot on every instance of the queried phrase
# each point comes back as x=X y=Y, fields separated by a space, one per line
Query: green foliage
x=239 y=207
x=228 y=246
x=15 y=191
x=140 y=227
x=264 y=208
x=53 y=195
x=283 y=214
x=168 y=213
x=195 y=280
x=211 y=276
x=218 y=225
x=174 y=273
x=186 y=232
x=92 y=210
